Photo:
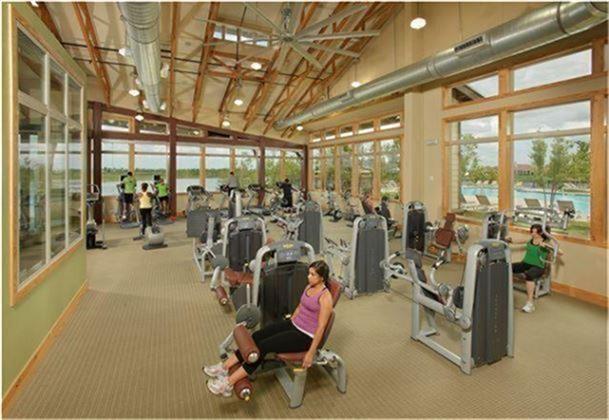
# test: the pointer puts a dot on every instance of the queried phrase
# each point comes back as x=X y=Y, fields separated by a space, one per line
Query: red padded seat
x=236 y=278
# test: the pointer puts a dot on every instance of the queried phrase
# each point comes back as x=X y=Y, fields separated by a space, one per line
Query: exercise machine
x=333 y=211
x=360 y=263
x=495 y=226
x=158 y=217
x=254 y=192
x=127 y=219
x=543 y=285
x=280 y=276
x=198 y=197
x=482 y=307
x=203 y=225
x=417 y=231
x=241 y=238
x=153 y=238
x=92 y=228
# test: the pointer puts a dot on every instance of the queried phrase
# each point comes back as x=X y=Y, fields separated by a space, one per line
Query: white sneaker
x=220 y=386
x=529 y=307
x=215 y=371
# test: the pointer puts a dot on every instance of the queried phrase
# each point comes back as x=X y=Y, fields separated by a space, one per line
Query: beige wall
x=582 y=266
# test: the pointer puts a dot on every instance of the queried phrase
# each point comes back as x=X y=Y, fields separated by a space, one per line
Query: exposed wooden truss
x=378 y=15
x=295 y=82
x=175 y=17
x=205 y=56
x=43 y=12
x=90 y=36
x=271 y=74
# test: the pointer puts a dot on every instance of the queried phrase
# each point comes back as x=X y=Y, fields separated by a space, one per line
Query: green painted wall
x=25 y=325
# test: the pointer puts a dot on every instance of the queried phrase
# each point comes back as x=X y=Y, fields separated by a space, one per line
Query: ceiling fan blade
x=282 y=56
x=295 y=16
x=300 y=50
x=334 y=18
x=339 y=35
x=330 y=49
x=262 y=16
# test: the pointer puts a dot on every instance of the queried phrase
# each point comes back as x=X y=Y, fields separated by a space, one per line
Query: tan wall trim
x=42 y=349
x=580 y=294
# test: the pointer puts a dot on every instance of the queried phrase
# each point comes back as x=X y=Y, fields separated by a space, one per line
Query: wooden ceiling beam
x=175 y=17
x=382 y=15
x=90 y=36
x=205 y=55
x=233 y=56
x=45 y=15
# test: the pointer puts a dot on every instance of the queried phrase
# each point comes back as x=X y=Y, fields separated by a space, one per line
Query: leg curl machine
x=280 y=275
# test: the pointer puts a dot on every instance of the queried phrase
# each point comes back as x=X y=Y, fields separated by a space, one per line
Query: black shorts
x=531 y=272
x=128 y=198
x=166 y=198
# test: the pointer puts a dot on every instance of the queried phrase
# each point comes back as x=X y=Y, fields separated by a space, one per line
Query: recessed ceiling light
x=418 y=23
x=226 y=123
x=123 y=51
x=139 y=117
x=355 y=84
x=163 y=106
x=196 y=132
x=238 y=102
x=134 y=92
x=34 y=3
x=299 y=127
x=145 y=103
x=256 y=65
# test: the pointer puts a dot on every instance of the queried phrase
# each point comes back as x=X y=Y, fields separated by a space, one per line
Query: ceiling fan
x=285 y=35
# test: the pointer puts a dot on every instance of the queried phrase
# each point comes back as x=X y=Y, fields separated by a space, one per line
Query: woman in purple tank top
x=302 y=332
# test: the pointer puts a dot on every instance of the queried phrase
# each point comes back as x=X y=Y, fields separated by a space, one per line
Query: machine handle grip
x=245 y=343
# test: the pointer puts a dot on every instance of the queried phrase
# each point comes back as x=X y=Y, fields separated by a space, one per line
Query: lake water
x=581 y=201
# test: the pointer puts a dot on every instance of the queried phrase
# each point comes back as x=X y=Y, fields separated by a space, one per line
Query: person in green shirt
x=533 y=265
x=129 y=185
x=163 y=194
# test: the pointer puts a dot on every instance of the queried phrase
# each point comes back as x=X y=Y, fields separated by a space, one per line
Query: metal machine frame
x=462 y=317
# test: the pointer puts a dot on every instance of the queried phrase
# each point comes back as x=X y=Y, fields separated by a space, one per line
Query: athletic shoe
x=220 y=386
x=529 y=307
x=216 y=370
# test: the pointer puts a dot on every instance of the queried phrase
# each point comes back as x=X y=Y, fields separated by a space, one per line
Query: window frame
x=597 y=235
x=19 y=289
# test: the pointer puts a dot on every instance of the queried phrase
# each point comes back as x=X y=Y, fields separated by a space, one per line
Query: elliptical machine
x=333 y=211
x=127 y=219
x=92 y=229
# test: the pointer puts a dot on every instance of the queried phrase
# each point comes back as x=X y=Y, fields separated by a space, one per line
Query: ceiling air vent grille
x=471 y=44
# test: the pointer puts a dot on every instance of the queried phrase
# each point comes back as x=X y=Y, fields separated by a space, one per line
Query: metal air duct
x=142 y=24
x=545 y=25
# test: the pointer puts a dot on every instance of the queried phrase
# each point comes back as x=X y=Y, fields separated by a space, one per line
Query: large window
x=345 y=153
x=188 y=162
x=150 y=160
x=551 y=161
x=472 y=90
x=115 y=162
x=328 y=167
x=390 y=168
x=272 y=158
x=246 y=166
x=293 y=167
x=217 y=167
x=554 y=70
x=474 y=165
x=316 y=168
x=49 y=143
x=365 y=169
